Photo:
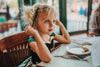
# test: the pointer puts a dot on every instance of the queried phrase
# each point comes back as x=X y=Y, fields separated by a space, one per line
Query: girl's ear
x=35 y=26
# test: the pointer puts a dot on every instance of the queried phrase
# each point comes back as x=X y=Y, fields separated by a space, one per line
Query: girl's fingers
x=26 y=30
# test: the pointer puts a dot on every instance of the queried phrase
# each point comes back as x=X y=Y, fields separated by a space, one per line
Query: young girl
x=42 y=20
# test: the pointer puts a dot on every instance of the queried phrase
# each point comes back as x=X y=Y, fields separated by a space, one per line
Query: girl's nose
x=51 y=24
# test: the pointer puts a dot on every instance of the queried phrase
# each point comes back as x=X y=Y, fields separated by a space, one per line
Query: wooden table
x=96 y=52
x=61 y=62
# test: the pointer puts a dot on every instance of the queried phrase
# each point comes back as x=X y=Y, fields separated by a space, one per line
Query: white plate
x=77 y=50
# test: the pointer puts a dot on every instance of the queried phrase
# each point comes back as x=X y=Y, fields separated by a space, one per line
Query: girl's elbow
x=67 y=41
x=47 y=60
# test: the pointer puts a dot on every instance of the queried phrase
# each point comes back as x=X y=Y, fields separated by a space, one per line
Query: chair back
x=13 y=49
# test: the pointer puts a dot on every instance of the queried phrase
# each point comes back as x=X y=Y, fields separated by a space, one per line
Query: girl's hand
x=30 y=31
x=58 y=22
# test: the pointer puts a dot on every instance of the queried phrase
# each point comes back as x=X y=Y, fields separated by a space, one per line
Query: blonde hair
x=30 y=11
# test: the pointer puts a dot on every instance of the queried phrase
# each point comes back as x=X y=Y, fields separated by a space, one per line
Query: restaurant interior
x=81 y=18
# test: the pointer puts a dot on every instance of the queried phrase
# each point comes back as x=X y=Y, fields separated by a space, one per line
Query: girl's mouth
x=50 y=29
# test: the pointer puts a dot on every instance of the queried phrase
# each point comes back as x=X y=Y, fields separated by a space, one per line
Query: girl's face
x=46 y=23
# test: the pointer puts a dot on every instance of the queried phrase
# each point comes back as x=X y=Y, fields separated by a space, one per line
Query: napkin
x=81 y=42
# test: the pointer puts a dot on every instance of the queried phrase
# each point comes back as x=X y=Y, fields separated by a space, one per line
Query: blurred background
x=74 y=14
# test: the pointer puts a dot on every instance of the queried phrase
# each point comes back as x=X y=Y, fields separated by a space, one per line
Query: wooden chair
x=5 y=26
x=13 y=49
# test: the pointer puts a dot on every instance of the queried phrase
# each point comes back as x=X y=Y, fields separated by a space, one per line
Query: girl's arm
x=39 y=46
x=64 y=38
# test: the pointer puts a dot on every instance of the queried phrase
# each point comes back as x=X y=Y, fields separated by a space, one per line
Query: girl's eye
x=54 y=21
x=47 y=21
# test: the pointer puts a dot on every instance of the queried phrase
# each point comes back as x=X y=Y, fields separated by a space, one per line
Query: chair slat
x=13 y=49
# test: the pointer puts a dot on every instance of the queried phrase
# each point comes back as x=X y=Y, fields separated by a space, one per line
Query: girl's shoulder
x=53 y=34
x=31 y=39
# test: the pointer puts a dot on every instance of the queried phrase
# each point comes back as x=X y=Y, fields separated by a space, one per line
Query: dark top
x=35 y=57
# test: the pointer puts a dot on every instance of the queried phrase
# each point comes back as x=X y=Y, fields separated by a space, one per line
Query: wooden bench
x=13 y=49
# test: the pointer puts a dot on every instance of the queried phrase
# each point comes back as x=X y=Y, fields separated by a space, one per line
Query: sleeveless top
x=35 y=57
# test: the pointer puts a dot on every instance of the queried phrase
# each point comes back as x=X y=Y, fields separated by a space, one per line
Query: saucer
x=77 y=50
